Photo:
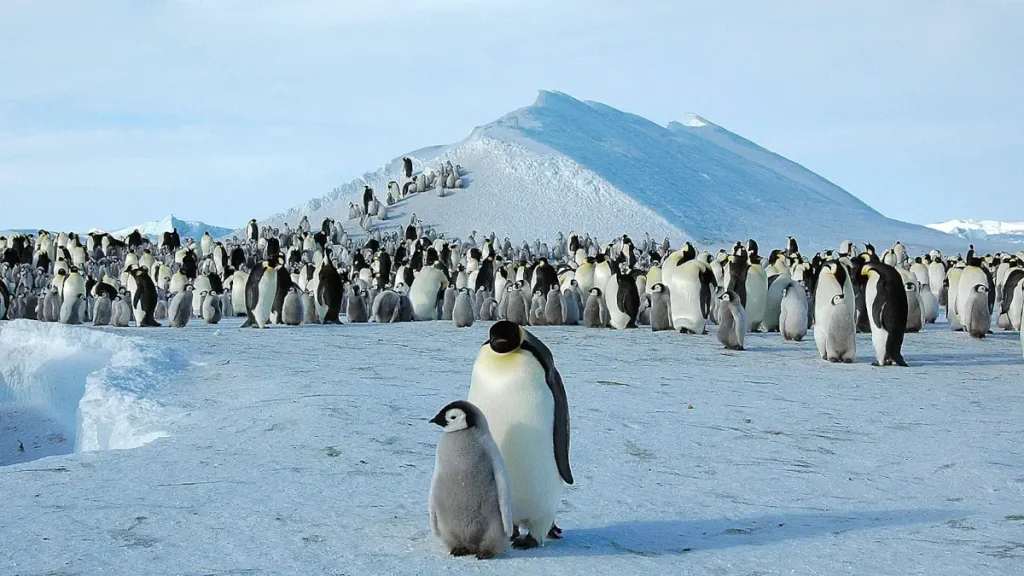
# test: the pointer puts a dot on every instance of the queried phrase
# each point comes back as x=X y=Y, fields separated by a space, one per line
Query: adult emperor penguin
x=793 y=312
x=144 y=297
x=462 y=312
x=518 y=388
x=260 y=291
x=690 y=285
x=180 y=309
x=622 y=299
x=252 y=231
x=757 y=292
x=732 y=327
x=426 y=289
x=886 y=300
x=470 y=498
x=976 y=317
x=71 y=310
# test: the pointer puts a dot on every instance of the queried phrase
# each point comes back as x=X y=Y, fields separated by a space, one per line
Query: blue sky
x=113 y=113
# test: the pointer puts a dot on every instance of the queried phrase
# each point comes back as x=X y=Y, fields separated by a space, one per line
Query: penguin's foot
x=515 y=534
x=901 y=362
x=555 y=533
x=847 y=360
x=484 y=555
x=525 y=543
x=457 y=552
x=876 y=364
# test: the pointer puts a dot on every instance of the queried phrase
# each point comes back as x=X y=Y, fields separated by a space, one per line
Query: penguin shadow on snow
x=650 y=538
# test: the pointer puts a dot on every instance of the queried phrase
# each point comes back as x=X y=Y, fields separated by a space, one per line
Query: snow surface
x=307 y=451
x=65 y=389
x=1012 y=232
x=562 y=164
x=185 y=228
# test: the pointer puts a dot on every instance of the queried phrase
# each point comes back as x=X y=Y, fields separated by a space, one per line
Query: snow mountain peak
x=563 y=164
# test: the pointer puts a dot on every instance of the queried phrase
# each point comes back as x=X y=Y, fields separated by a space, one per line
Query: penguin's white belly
x=514 y=396
x=423 y=295
x=685 y=304
x=757 y=298
x=879 y=335
x=267 y=289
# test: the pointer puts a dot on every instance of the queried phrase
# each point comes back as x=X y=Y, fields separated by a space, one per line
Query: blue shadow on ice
x=673 y=537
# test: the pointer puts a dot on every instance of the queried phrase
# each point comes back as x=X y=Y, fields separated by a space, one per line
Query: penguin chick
x=450 y=295
x=211 y=308
x=661 y=310
x=462 y=314
x=793 y=312
x=732 y=326
x=537 y=309
x=976 y=317
x=102 y=310
x=592 y=314
x=356 y=312
x=292 y=309
x=469 y=498
x=180 y=309
x=554 y=307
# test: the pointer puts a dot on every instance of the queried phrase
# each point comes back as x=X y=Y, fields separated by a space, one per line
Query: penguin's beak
x=439 y=419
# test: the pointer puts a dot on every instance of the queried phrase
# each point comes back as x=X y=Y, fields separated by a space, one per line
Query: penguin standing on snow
x=355 y=311
x=593 y=317
x=793 y=313
x=976 y=317
x=470 y=500
x=462 y=312
x=260 y=291
x=886 y=302
x=732 y=327
x=292 y=310
x=180 y=309
x=915 y=317
x=661 y=313
x=212 y=311
x=102 y=310
x=144 y=298
x=518 y=388
x=622 y=299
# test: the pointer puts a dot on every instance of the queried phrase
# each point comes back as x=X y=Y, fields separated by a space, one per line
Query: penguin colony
x=410 y=272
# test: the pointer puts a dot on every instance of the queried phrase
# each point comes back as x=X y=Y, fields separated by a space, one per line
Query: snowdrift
x=562 y=164
x=71 y=389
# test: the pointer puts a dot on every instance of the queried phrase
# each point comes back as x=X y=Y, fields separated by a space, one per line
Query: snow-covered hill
x=1012 y=232
x=563 y=164
x=185 y=228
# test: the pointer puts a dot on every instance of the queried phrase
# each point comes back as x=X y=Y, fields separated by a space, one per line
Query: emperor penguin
x=517 y=311
x=462 y=312
x=793 y=312
x=915 y=317
x=426 y=288
x=976 y=317
x=238 y=283
x=757 y=293
x=470 y=498
x=387 y=307
x=661 y=311
x=519 y=390
x=936 y=276
x=260 y=291
x=203 y=288
x=952 y=285
x=539 y=303
x=773 y=305
x=554 y=307
x=929 y=305
x=180 y=309
x=839 y=330
x=102 y=310
x=593 y=315
x=886 y=300
x=212 y=308
x=732 y=327
x=690 y=285
x=71 y=310
x=292 y=309
x=356 y=312
x=450 y=295
x=833 y=280
x=571 y=307
x=309 y=313
x=973 y=275
x=585 y=275
x=121 y=312
x=622 y=298
x=144 y=298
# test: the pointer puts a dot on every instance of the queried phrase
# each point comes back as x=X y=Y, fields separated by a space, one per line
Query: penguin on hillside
x=519 y=390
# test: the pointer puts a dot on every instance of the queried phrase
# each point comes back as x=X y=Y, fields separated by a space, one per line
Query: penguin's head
x=981 y=288
x=910 y=286
x=595 y=291
x=725 y=297
x=659 y=287
x=505 y=337
x=838 y=299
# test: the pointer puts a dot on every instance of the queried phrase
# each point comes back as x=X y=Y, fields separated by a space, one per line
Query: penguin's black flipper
x=554 y=380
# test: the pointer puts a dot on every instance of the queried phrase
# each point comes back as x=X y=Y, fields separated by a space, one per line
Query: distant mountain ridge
x=983 y=230
x=186 y=228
